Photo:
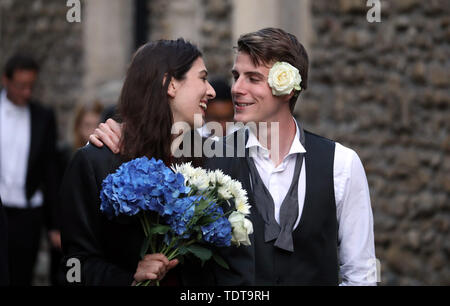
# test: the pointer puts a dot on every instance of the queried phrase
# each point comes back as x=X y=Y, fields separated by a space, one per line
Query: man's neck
x=278 y=137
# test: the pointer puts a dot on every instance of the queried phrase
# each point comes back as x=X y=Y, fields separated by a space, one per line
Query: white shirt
x=354 y=214
x=205 y=132
x=15 y=139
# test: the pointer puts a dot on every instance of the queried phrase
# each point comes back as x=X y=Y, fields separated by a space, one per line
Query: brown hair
x=82 y=109
x=270 y=45
x=144 y=105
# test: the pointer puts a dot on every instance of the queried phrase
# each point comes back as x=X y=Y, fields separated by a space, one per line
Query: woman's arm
x=80 y=226
x=81 y=231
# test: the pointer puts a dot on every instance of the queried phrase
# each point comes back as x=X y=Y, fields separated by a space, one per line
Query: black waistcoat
x=315 y=260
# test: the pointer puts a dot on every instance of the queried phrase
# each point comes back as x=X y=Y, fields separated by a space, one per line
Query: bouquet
x=181 y=208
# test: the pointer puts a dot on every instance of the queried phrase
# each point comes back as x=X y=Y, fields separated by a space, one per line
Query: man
x=28 y=185
x=311 y=212
x=4 y=274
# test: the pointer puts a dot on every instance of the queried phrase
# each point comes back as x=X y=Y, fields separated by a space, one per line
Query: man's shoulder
x=39 y=109
x=340 y=149
x=317 y=137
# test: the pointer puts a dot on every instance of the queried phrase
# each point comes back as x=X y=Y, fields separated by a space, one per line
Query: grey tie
x=289 y=207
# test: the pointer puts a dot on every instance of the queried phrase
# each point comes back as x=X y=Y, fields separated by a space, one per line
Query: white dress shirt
x=354 y=214
x=15 y=139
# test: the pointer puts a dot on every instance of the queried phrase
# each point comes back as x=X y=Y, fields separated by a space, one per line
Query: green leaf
x=182 y=250
x=220 y=261
x=206 y=220
x=202 y=253
x=202 y=205
x=159 y=229
x=145 y=246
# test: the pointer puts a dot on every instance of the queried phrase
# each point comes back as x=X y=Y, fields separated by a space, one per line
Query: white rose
x=283 y=78
x=241 y=228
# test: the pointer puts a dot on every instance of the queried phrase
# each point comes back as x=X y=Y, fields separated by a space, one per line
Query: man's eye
x=254 y=80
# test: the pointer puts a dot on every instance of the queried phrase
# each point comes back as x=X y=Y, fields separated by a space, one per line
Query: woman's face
x=88 y=125
x=190 y=96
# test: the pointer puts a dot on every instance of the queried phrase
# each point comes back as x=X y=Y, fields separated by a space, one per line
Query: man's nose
x=237 y=88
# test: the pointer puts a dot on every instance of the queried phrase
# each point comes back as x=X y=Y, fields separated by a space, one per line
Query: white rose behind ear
x=283 y=78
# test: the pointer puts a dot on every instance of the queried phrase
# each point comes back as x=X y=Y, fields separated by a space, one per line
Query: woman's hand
x=107 y=133
x=153 y=267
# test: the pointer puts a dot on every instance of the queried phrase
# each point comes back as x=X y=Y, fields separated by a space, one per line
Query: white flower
x=199 y=179
x=236 y=189
x=212 y=178
x=221 y=178
x=194 y=177
x=242 y=206
x=224 y=192
x=241 y=228
x=185 y=169
x=283 y=78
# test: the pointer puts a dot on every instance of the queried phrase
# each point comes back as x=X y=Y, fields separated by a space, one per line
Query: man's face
x=251 y=94
x=19 y=88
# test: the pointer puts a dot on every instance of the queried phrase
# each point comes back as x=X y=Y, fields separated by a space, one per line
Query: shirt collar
x=9 y=106
x=296 y=146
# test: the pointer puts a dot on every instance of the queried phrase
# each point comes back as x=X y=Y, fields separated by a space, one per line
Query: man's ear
x=172 y=89
x=287 y=98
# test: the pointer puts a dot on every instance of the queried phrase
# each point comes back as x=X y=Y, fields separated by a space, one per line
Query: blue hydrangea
x=180 y=213
x=141 y=184
x=219 y=231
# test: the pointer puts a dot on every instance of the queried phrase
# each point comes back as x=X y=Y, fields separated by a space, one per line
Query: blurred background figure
x=220 y=109
x=28 y=174
x=86 y=118
x=4 y=274
x=371 y=85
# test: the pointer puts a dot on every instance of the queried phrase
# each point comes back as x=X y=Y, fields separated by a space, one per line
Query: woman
x=165 y=84
x=86 y=119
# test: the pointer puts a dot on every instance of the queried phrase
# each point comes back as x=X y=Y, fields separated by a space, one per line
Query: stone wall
x=383 y=90
x=40 y=28
x=212 y=20
x=217 y=45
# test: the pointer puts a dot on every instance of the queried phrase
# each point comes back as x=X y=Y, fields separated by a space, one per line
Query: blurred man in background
x=28 y=177
x=4 y=274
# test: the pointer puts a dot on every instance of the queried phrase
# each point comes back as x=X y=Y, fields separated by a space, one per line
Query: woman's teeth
x=203 y=105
